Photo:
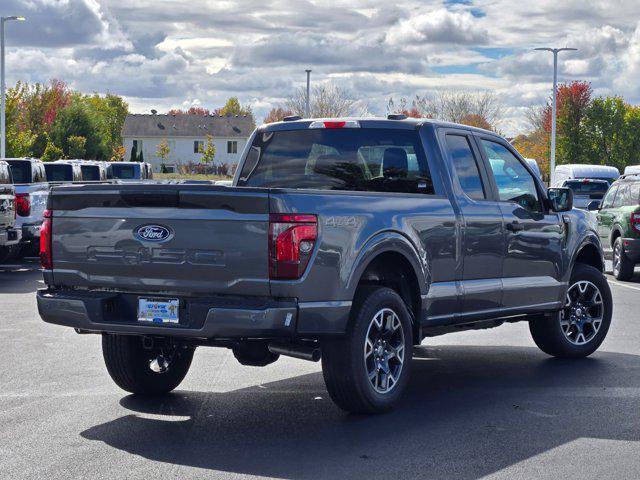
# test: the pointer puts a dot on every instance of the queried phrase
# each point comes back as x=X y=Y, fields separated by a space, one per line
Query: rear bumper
x=200 y=317
x=632 y=249
x=10 y=236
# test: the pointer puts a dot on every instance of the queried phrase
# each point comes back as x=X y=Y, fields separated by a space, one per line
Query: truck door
x=606 y=216
x=480 y=286
x=534 y=237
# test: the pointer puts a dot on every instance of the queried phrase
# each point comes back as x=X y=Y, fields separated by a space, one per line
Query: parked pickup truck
x=346 y=240
x=9 y=235
x=32 y=191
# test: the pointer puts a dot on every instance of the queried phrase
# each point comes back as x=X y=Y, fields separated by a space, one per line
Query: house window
x=232 y=147
x=198 y=146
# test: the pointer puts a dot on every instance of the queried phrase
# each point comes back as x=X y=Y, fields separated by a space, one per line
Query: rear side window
x=125 y=172
x=21 y=171
x=622 y=197
x=59 y=172
x=90 y=173
x=466 y=166
x=635 y=193
x=376 y=160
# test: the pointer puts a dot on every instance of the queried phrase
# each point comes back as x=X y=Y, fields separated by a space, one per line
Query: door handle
x=515 y=226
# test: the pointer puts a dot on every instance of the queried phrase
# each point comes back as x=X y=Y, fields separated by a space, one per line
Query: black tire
x=622 y=266
x=548 y=333
x=344 y=366
x=128 y=363
x=9 y=253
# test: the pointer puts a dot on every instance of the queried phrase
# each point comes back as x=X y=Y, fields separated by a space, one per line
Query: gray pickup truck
x=346 y=240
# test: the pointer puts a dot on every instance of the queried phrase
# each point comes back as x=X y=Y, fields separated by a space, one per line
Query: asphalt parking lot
x=482 y=404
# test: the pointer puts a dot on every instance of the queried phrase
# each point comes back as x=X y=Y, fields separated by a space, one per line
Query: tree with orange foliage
x=476 y=120
x=277 y=114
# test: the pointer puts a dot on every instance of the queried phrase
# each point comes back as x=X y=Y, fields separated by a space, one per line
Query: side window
x=622 y=198
x=607 y=201
x=465 y=165
x=515 y=183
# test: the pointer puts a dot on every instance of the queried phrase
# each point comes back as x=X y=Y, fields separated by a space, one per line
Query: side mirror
x=561 y=199
x=594 y=205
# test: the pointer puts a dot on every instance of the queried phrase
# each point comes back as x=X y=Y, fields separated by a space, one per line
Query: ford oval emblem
x=153 y=233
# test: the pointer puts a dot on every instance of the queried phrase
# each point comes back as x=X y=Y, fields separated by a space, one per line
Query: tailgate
x=161 y=238
x=7 y=206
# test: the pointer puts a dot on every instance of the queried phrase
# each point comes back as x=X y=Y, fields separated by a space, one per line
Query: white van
x=580 y=171
x=631 y=169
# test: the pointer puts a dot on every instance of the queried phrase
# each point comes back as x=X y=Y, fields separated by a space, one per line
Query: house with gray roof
x=186 y=136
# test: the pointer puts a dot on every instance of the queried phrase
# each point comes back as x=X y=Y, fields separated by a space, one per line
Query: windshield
x=21 y=171
x=387 y=160
x=125 y=172
x=580 y=187
x=59 y=173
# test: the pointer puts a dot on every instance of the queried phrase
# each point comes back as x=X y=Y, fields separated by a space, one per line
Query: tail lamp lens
x=46 y=234
x=291 y=242
x=23 y=204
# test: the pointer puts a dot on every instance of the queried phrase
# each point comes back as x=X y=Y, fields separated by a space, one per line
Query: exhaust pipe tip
x=303 y=352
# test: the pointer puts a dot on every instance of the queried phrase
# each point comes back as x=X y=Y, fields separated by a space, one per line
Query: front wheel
x=367 y=370
x=582 y=325
x=144 y=371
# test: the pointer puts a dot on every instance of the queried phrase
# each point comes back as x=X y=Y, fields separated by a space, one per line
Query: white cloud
x=176 y=53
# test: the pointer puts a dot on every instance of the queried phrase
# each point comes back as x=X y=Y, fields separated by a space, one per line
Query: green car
x=619 y=225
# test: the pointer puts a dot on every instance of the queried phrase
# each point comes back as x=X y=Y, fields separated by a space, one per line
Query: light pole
x=552 y=162
x=3 y=135
x=307 y=107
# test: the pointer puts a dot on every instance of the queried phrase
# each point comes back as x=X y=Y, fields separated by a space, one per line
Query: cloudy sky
x=173 y=53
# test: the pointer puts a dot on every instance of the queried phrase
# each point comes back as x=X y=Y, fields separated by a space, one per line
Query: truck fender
x=388 y=241
x=590 y=240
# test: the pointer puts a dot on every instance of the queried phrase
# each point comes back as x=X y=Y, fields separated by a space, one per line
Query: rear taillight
x=291 y=241
x=23 y=204
x=46 y=234
x=635 y=221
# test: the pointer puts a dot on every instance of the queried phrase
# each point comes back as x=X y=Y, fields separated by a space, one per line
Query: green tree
x=52 y=153
x=19 y=143
x=76 y=120
x=77 y=146
x=233 y=108
x=209 y=152
x=109 y=113
x=604 y=127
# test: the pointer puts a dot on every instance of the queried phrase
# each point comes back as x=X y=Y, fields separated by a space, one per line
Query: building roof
x=136 y=125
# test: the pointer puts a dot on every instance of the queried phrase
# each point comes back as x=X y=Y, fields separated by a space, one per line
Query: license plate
x=163 y=311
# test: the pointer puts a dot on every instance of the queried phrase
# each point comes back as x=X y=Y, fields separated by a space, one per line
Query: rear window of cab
x=355 y=159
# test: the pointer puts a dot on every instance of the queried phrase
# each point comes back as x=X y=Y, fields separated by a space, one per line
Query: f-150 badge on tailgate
x=153 y=233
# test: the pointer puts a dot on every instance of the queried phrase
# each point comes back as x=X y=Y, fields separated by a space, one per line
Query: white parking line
x=619 y=284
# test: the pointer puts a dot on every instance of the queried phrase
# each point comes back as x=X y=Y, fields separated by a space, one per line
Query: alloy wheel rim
x=583 y=312
x=384 y=350
x=616 y=258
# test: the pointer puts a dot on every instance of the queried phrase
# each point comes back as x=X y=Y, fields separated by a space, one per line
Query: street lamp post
x=307 y=107
x=3 y=133
x=552 y=162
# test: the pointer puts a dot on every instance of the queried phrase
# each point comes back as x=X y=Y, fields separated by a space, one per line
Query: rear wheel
x=367 y=370
x=144 y=371
x=582 y=325
x=622 y=266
